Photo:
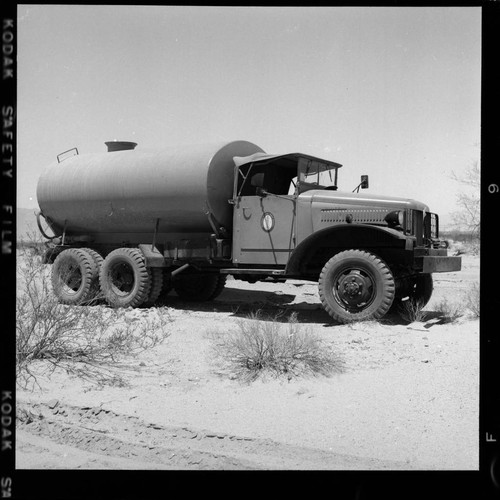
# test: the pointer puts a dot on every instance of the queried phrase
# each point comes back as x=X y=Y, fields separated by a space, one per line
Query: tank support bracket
x=155 y=233
x=64 y=232
x=154 y=258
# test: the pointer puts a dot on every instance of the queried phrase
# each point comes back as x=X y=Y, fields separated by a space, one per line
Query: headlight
x=395 y=218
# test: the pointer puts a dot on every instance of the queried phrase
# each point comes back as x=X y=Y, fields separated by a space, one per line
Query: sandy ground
x=407 y=398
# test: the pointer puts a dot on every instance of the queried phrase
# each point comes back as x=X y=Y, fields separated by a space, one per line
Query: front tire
x=355 y=285
x=419 y=291
x=124 y=277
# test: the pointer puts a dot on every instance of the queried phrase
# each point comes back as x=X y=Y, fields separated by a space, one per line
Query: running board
x=272 y=272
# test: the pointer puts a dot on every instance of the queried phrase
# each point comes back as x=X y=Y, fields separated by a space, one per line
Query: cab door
x=264 y=229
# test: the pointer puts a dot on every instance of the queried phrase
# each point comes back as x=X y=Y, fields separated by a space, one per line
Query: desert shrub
x=457 y=248
x=265 y=346
x=472 y=300
x=449 y=311
x=471 y=247
x=87 y=340
x=468 y=213
x=32 y=242
x=412 y=310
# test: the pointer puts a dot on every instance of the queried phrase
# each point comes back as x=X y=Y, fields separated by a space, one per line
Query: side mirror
x=364 y=182
x=257 y=180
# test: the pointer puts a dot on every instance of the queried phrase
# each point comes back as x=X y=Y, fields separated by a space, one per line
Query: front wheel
x=418 y=290
x=355 y=285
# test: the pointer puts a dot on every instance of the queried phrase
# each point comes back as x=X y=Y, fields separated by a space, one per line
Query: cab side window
x=277 y=179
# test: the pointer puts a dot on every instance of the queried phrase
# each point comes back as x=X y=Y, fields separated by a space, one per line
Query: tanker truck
x=130 y=225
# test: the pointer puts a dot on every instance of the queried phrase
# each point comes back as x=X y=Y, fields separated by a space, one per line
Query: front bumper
x=436 y=260
x=437 y=264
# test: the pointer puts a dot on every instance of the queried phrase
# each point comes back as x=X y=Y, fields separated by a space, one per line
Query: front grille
x=408 y=222
x=413 y=224
x=431 y=227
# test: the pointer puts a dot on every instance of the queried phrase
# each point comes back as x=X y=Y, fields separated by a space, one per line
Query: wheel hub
x=354 y=289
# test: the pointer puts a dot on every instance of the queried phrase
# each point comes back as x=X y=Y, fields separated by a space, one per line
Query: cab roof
x=285 y=158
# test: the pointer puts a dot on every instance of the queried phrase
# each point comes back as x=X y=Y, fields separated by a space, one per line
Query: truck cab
x=289 y=215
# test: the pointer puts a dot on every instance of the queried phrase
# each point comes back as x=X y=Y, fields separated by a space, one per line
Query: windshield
x=286 y=175
x=316 y=175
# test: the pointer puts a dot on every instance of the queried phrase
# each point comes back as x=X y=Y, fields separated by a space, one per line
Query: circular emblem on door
x=267 y=221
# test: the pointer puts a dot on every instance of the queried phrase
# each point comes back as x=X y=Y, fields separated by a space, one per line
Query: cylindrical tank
x=126 y=191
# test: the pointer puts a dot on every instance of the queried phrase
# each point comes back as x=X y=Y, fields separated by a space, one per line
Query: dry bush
x=468 y=215
x=412 y=310
x=32 y=243
x=449 y=311
x=87 y=340
x=263 y=346
x=472 y=300
x=471 y=247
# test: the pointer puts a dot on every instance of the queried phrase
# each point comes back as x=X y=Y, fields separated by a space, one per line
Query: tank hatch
x=120 y=145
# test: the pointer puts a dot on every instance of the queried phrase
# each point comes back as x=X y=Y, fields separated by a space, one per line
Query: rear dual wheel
x=75 y=275
x=156 y=277
x=79 y=275
x=124 y=278
x=199 y=287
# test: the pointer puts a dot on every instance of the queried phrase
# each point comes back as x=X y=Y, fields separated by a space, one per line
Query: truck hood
x=328 y=208
x=356 y=200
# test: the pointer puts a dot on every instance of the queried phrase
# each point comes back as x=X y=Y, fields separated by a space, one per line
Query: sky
x=389 y=92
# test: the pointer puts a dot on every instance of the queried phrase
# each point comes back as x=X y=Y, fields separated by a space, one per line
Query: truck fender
x=347 y=236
